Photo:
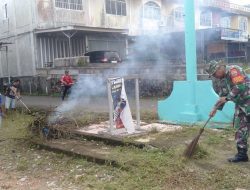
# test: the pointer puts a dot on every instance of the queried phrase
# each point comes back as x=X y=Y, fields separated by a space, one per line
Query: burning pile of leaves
x=53 y=124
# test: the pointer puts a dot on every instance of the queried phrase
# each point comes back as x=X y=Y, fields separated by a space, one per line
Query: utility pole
x=7 y=63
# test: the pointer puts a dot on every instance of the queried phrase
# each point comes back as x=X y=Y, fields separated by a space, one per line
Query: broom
x=191 y=147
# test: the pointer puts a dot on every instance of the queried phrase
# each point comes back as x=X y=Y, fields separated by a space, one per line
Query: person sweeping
x=234 y=86
x=11 y=94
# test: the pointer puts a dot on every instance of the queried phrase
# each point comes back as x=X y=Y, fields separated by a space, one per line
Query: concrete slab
x=92 y=151
x=104 y=129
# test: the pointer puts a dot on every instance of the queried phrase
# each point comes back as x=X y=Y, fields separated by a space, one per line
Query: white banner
x=122 y=114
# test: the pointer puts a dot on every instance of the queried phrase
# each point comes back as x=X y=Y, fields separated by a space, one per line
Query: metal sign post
x=7 y=63
x=137 y=99
x=111 y=109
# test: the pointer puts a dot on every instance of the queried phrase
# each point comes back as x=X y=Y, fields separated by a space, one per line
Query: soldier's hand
x=213 y=112
x=223 y=100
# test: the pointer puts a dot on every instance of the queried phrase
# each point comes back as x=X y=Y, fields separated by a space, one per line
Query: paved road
x=90 y=105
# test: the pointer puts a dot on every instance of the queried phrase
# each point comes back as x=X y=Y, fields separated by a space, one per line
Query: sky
x=240 y=2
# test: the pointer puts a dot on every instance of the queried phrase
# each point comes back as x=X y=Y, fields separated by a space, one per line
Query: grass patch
x=22 y=165
x=149 y=116
x=14 y=126
x=149 y=168
x=91 y=118
x=200 y=152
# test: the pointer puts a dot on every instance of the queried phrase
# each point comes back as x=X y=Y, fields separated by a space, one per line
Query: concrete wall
x=49 y=16
x=20 y=60
x=93 y=15
x=17 y=29
x=20 y=17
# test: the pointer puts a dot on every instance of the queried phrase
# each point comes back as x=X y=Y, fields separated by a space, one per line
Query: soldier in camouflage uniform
x=235 y=86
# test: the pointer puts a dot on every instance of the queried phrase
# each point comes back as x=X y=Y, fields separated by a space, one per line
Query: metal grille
x=116 y=7
x=69 y=4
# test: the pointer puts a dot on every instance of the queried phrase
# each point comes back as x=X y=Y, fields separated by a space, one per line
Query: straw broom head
x=192 y=146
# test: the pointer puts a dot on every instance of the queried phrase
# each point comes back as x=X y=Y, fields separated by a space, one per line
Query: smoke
x=85 y=88
x=150 y=55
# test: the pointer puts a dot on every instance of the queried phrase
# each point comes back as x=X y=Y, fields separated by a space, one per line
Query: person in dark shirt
x=12 y=93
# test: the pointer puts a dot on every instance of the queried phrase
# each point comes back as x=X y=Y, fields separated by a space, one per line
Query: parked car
x=103 y=56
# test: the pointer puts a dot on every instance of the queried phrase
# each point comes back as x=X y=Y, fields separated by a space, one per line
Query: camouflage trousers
x=242 y=126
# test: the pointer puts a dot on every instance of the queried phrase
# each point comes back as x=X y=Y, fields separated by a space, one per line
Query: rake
x=19 y=99
x=191 y=147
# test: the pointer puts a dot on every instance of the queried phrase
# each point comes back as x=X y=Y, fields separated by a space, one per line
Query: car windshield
x=112 y=54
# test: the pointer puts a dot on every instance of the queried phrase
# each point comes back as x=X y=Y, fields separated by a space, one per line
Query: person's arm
x=238 y=81
x=14 y=90
x=218 y=106
x=239 y=86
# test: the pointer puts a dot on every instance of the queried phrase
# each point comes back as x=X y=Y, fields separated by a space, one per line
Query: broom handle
x=210 y=117
x=206 y=122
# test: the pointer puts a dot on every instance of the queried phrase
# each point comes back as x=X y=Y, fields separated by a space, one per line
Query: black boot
x=241 y=156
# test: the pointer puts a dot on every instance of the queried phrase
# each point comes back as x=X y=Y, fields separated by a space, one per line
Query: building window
x=151 y=10
x=206 y=18
x=116 y=7
x=5 y=11
x=69 y=4
x=243 y=23
x=178 y=13
x=225 y=22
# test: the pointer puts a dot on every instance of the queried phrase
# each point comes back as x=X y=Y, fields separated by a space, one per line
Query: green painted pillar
x=192 y=100
x=190 y=41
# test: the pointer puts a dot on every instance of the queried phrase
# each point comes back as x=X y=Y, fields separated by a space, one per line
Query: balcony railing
x=226 y=5
x=234 y=35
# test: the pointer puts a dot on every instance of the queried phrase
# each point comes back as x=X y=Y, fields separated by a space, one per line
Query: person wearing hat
x=66 y=82
x=238 y=91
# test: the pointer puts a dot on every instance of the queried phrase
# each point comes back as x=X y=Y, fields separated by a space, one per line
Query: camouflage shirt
x=236 y=87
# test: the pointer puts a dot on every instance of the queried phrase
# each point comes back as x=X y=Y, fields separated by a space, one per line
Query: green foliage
x=82 y=62
x=247 y=69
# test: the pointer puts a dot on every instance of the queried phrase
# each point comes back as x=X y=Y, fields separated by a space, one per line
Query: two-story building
x=41 y=31
x=231 y=23
x=222 y=30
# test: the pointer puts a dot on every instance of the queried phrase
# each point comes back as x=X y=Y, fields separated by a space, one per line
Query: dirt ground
x=161 y=165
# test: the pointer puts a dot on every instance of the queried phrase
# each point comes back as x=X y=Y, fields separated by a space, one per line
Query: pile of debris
x=53 y=125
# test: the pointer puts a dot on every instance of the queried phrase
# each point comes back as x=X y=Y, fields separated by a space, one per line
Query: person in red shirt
x=67 y=82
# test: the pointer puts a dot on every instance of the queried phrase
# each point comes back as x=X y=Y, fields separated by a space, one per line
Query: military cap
x=212 y=67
